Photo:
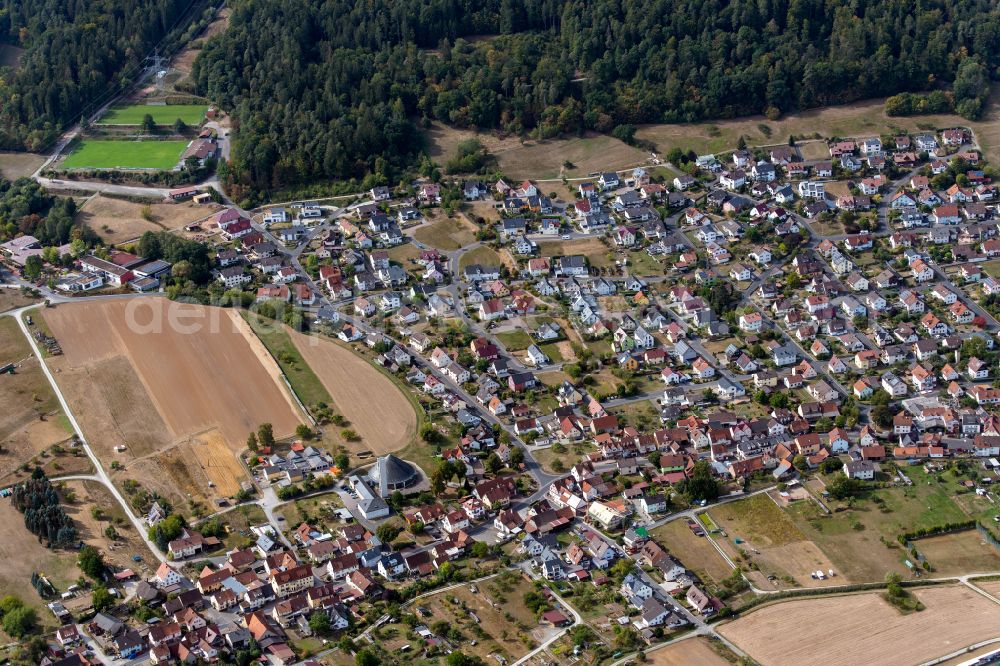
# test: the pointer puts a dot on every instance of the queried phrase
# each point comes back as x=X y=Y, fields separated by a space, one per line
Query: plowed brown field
x=155 y=376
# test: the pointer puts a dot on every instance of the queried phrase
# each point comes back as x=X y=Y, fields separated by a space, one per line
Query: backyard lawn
x=483 y=255
x=191 y=114
x=92 y=154
x=514 y=340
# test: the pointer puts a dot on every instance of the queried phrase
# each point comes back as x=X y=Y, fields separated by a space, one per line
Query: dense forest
x=43 y=516
x=331 y=90
x=26 y=208
x=75 y=53
x=189 y=258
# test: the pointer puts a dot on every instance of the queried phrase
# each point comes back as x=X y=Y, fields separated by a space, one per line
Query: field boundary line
x=959 y=653
x=708 y=535
x=980 y=590
x=281 y=372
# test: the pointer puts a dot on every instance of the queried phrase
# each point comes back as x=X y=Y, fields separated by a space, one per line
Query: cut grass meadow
x=191 y=114
x=91 y=154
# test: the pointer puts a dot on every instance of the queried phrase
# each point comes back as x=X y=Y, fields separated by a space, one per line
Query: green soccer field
x=125 y=155
x=192 y=114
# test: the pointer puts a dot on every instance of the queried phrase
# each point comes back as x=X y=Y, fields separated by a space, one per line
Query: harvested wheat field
x=376 y=408
x=217 y=459
x=692 y=651
x=990 y=586
x=959 y=553
x=865 y=629
x=188 y=390
x=119 y=221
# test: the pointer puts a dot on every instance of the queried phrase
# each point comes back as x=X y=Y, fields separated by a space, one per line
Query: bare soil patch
x=217 y=459
x=182 y=63
x=864 y=628
x=375 y=407
x=11 y=299
x=696 y=650
x=17 y=165
x=119 y=221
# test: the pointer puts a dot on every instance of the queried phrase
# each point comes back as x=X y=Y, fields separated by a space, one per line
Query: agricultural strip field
x=179 y=386
x=119 y=220
x=760 y=532
x=376 y=409
x=30 y=421
x=191 y=114
x=277 y=339
x=95 y=154
x=865 y=629
x=696 y=650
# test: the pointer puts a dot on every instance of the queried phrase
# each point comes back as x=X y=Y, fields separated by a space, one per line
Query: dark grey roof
x=391 y=471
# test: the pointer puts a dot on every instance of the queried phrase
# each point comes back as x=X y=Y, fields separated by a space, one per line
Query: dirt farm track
x=179 y=386
x=865 y=629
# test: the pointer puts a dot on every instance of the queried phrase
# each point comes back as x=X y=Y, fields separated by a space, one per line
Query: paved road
x=107 y=188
